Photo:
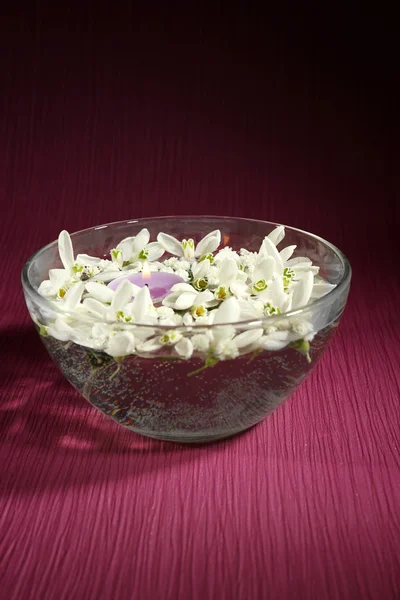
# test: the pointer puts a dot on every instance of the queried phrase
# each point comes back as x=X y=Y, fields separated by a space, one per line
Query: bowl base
x=200 y=439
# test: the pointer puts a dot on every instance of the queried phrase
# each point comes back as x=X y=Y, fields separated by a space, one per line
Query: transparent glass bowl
x=166 y=398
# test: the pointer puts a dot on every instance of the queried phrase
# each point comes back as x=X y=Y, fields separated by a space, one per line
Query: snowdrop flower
x=320 y=288
x=136 y=248
x=117 y=306
x=120 y=343
x=184 y=296
x=187 y=248
x=184 y=348
x=275 y=299
x=220 y=290
x=302 y=290
x=85 y=267
x=169 y=338
x=275 y=340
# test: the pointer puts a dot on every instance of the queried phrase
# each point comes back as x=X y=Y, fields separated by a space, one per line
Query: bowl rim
x=270 y=319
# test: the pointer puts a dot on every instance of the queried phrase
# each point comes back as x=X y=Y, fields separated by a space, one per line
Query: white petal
x=99 y=292
x=46 y=288
x=107 y=276
x=302 y=267
x=287 y=252
x=298 y=260
x=170 y=244
x=187 y=319
x=302 y=290
x=121 y=344
x=264 y=269
x=149 y=345
x=155 y=251
x=184 y=348
x=128 y=240
x=126 y=249
x=183 y=287
x=58 y=277
x=248 y=337
x=239 y=289
x=201 y=269
x=140 y=241
x=122 y=295
x=73 y=296
x=321 y=288
x=209 y=243
x=87 y=261
x=277 y=235
x=276 y=292
x=228 y=271
x=203 y=298
x=101 y=330
x=60 y=330
x=65 y=250
x=228 y=312
x=95 y=307
x=185 y=300
x=270 y=344
x=269 y=249
x=141 y=304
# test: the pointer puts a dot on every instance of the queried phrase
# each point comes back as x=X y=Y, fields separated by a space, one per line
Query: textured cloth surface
x=107 y=117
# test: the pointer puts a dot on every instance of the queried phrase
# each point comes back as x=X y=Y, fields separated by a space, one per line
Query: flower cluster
x=234 y=291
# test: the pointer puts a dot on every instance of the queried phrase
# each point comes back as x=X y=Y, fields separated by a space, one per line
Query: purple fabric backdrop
x=115 y=116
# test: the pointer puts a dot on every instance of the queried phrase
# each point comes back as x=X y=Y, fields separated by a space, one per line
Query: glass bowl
x=164 y=397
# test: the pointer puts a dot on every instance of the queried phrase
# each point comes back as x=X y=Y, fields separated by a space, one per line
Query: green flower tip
x=260 y=286
x=200 y=284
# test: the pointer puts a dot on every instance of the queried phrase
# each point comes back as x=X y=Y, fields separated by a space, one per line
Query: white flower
x=228 y=312
x=187 y=248
x=136 y=248
x=120 y=344
x=164 y=312
x=275 y=299
x=120 y=307
x=320 y=288
x=225 y=290
x=228 y=272
x=201 y=342
x=268 y=250
x=201 y=269
x=85 y=267
x=226 y=349
x=184 y=348
x=302 y=290
x=169 y=338
x=183 y=296
x=248 y=338
x=275 y=341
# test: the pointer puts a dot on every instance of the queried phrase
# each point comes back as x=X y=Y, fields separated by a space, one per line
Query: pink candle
x=159 y=283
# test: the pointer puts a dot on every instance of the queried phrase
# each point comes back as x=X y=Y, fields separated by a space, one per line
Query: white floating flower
x=302 y=290
x=187 y=248
x=184 y=348
x=223 y=290
x=132 y=249
x=183 y=296
x=120 y=344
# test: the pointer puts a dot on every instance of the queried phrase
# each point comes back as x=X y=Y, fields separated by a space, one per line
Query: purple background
x=110 y=115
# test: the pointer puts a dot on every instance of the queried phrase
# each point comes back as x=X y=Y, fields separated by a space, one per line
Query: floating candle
x=159 y=283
